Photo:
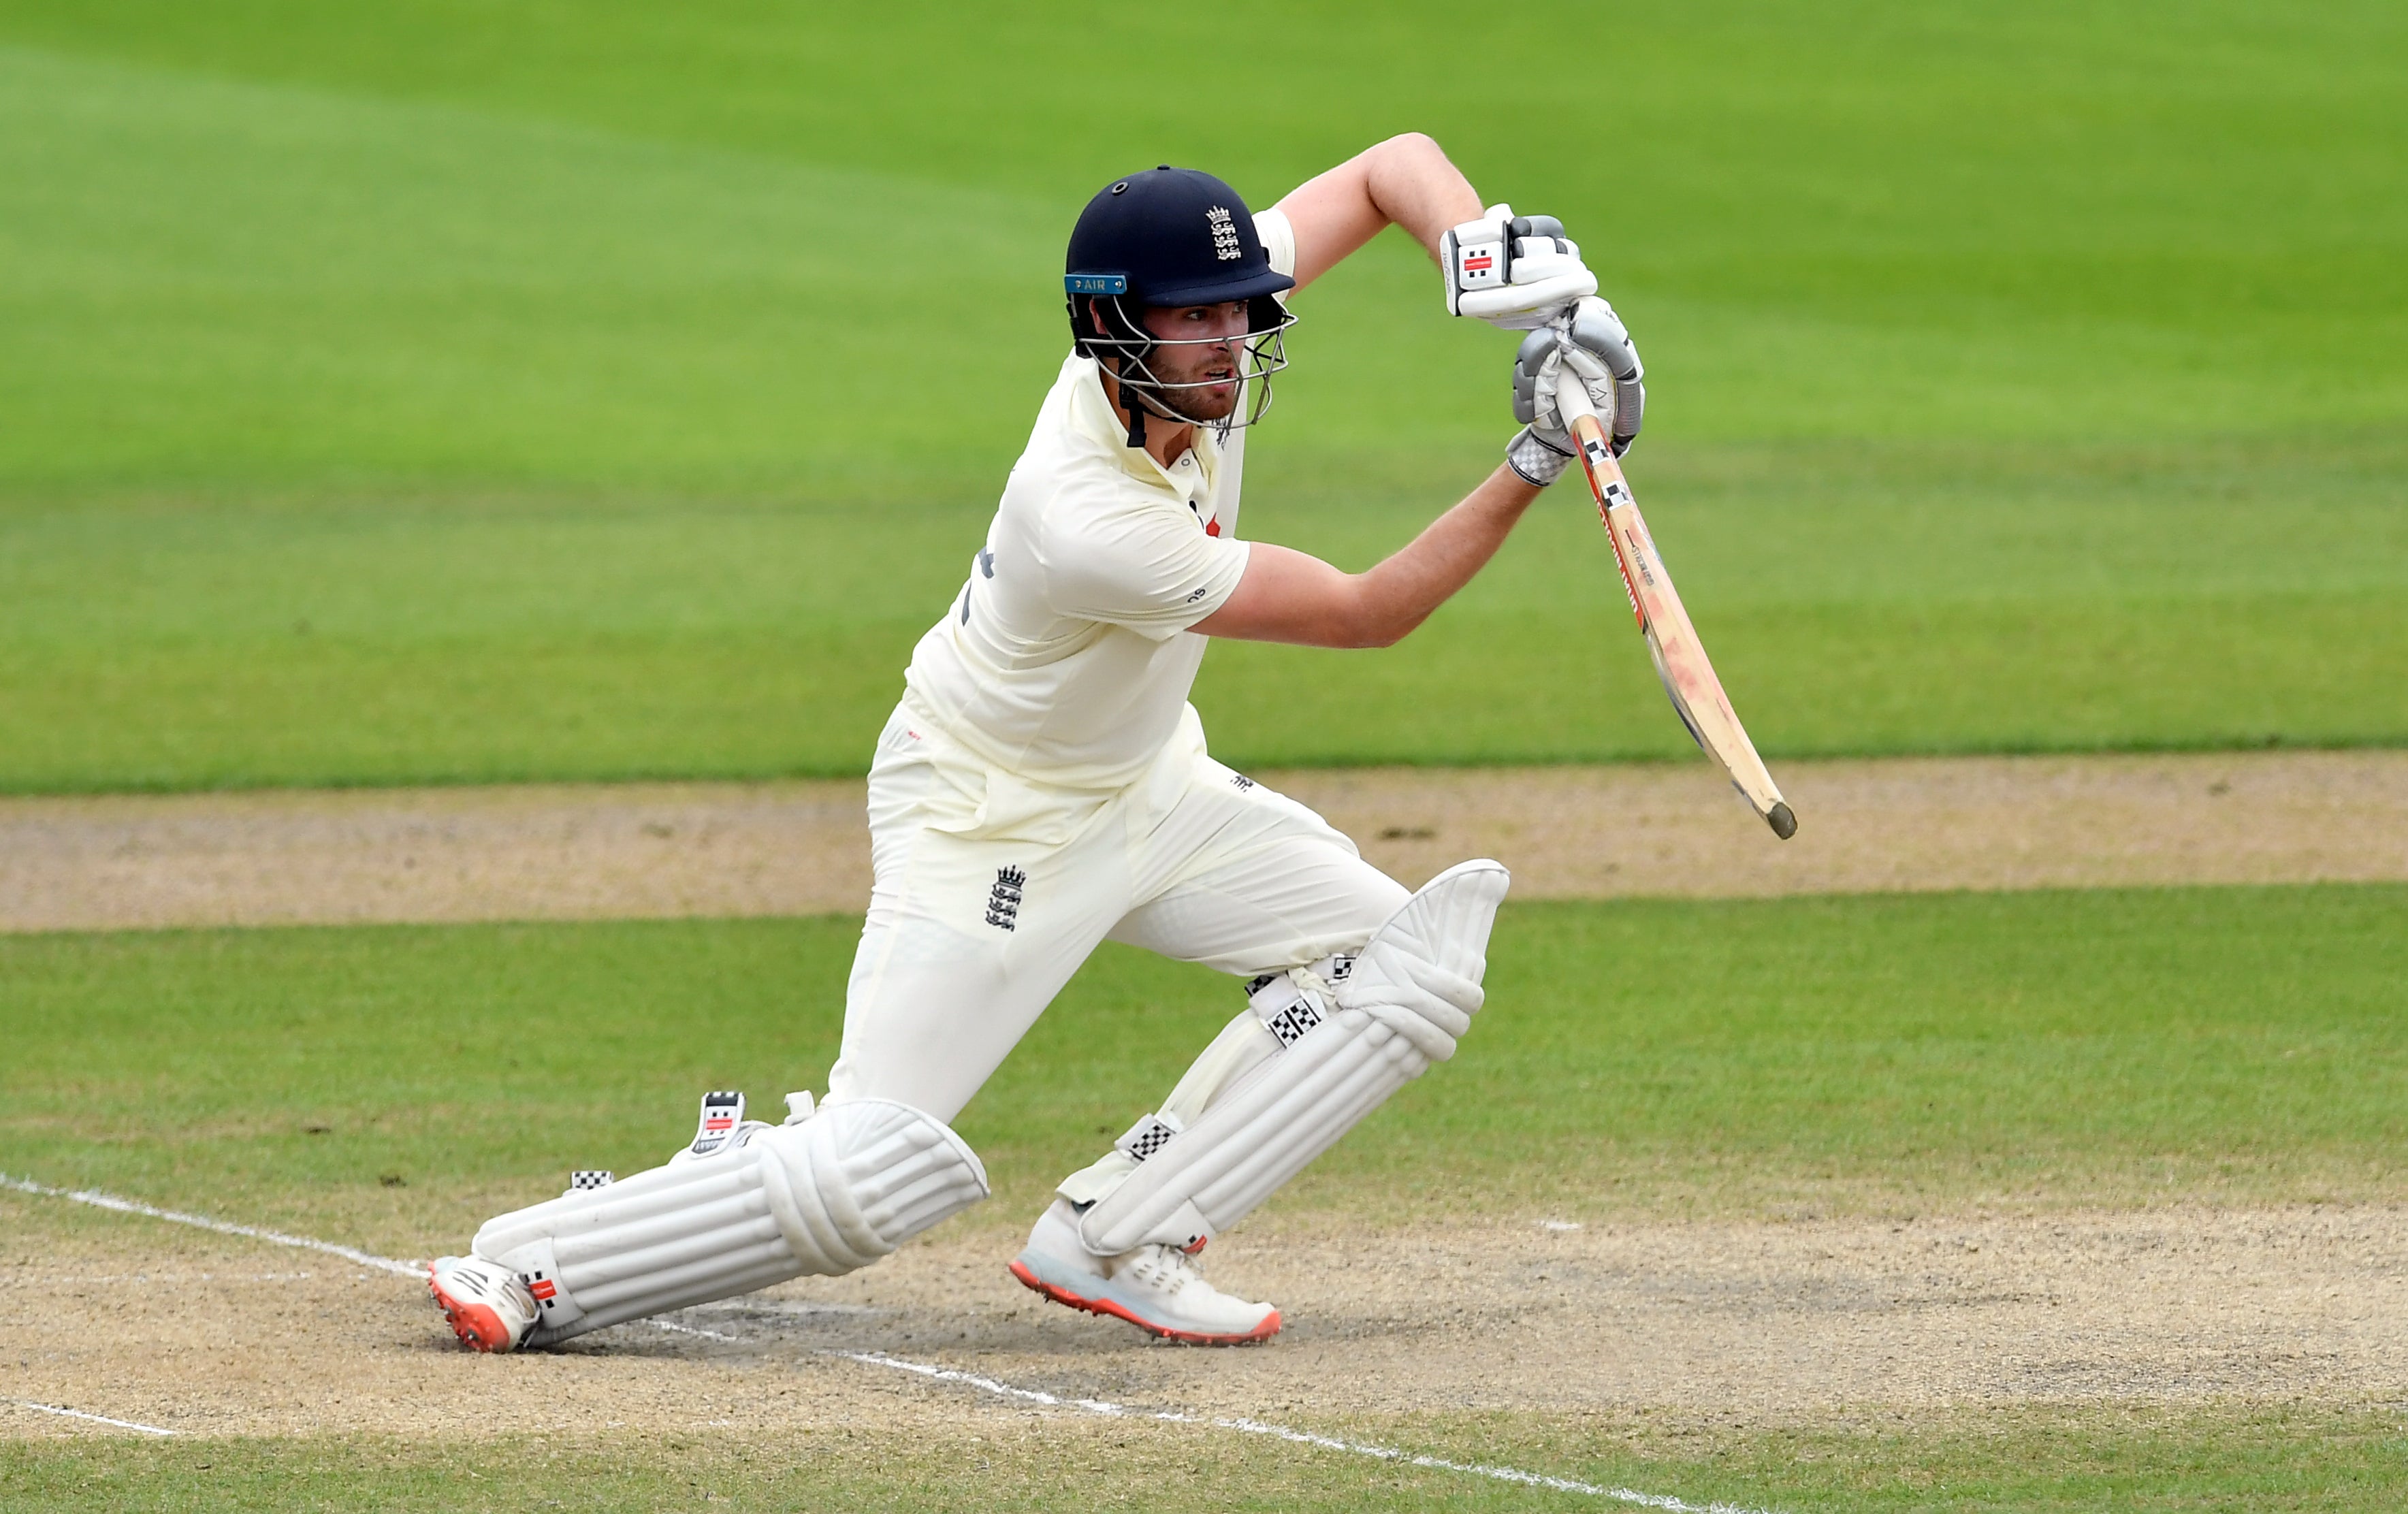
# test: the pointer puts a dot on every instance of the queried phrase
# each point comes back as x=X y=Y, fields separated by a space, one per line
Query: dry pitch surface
x=1751 y=1324
x=1758 y=1323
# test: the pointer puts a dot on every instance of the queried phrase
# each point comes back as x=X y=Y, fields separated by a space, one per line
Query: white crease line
x=923 y=1369
x=96 y=1418
x=201 y=1221
x=1255 y=1427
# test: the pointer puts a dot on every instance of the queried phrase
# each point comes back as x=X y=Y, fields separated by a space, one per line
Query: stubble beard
x=1200 y=404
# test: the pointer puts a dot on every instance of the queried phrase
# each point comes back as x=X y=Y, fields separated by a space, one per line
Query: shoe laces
x=482 y=1287
x=1174 y=1269
x=471 y=1282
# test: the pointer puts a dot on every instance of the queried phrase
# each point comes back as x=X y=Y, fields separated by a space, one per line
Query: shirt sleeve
x=1142 y=565
x=1279 y=240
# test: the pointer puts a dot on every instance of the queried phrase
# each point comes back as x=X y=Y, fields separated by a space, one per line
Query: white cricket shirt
x=1067 y=659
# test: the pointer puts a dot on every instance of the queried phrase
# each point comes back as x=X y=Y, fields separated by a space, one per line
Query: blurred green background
x=451 y=392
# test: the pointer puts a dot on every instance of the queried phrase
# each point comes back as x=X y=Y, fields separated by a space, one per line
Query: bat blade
x=1673 y=644
x=1687 y=673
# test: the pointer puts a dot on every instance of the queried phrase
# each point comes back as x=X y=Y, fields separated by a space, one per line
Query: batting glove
x=1516 y=272
x=1589 y=345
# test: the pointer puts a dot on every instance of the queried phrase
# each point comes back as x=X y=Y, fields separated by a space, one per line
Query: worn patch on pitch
x=1756 y=1322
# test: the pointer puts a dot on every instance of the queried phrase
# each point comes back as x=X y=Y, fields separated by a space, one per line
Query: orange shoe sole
x=1029 y=1281
x=477 y=1325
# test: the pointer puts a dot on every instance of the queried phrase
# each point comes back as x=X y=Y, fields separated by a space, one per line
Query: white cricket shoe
x=1159 y=1288
x=488 y=1306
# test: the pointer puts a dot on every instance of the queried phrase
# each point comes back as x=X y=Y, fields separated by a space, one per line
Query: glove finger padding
x=1524 y=307
x=1591 y=340
x=1544 y=415
x=1570 y=364
x=1630 y=407
x=1542 y=449
x=1595 y=329
x=1515 y=272
x=1532 y=355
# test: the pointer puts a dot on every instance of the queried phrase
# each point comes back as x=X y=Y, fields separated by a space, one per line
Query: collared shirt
x=1066 y=658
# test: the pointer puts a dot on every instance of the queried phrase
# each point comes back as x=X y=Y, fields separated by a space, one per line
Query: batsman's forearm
x=1406 y=181
x=1401 y=592
x=1417 y=187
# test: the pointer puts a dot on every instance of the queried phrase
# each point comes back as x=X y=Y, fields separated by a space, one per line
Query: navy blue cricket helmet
x=1167 y=237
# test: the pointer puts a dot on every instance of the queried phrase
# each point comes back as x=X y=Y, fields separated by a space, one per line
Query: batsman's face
x=1211 y=341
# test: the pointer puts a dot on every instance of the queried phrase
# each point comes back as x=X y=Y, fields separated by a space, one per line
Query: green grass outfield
x=1880 y=1054
x=1638 y=1061
x=438 y=391
x=2269 y=1461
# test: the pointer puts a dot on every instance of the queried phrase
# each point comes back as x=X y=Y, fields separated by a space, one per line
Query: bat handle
x=1588 y=440
x=1587 y=431
x=1571 y=399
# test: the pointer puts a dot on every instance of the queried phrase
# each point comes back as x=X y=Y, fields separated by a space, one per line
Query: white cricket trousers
x=990 y=890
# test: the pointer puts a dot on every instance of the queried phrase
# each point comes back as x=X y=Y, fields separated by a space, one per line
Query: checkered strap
x=1291 y=1003
x=1147 y=1137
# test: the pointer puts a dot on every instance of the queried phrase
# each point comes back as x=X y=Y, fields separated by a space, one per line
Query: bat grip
x=1571 y=399
x=1580 y=419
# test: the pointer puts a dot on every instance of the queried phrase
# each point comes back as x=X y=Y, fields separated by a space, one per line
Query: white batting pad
x=824 y=1196
x=1411 y=993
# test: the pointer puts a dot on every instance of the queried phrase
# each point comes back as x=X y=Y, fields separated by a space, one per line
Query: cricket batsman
x=1044 y=786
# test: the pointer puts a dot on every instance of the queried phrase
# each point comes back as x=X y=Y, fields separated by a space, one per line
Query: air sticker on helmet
x=1092 y=284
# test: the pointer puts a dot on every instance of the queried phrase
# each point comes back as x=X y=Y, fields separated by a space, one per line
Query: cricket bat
x=1680 y=658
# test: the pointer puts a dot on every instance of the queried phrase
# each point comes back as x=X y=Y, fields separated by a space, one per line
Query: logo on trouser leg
x=1003 y=900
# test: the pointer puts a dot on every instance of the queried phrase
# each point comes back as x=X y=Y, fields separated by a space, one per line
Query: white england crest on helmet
x=1224 y=234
